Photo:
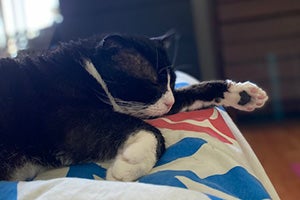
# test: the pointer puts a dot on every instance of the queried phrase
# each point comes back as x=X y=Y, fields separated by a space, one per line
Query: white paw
x=135 y=159
x=244 y=96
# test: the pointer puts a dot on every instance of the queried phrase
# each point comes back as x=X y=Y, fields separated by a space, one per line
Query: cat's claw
x=135 y=159
x=244 y=96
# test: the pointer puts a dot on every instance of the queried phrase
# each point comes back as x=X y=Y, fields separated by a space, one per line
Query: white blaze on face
x=164 y=104
x=161 y=107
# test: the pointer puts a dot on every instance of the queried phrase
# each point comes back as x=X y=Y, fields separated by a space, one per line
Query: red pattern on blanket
x=206 y=116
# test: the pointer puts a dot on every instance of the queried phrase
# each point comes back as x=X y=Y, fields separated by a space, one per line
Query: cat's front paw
x=135 y=159
x=244 y=96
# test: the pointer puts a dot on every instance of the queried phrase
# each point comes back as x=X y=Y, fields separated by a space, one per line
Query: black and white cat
x=85 y=100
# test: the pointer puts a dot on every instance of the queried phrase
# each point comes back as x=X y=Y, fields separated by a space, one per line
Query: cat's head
x=136 y=73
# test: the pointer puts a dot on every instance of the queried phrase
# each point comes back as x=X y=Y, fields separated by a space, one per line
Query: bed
x=207 y=157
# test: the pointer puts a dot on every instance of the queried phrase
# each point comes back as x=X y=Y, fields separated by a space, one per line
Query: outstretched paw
x=135 y=159
x=244 y=96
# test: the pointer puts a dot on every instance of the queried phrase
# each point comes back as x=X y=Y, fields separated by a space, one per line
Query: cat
x=86 y=100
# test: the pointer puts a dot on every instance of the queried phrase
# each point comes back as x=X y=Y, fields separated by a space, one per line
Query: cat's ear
x=113 y=40
x=167 y=39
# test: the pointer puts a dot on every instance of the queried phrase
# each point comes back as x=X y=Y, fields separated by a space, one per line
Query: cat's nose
x=169 y=104
x=168 y=100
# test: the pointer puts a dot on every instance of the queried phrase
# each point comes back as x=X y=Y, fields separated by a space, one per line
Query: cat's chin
x=154 y=111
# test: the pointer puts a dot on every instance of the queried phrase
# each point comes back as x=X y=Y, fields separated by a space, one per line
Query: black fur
x=206 y=91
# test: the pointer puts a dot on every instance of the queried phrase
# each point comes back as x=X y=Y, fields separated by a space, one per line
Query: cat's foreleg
x=132 y=145
x=244 y=96
x=135 y=158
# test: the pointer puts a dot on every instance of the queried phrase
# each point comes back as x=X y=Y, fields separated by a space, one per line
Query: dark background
x=145 y=17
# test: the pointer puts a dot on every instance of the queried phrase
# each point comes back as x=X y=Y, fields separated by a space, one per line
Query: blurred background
x=257 y=40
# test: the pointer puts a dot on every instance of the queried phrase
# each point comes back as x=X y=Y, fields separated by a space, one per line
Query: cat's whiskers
x=104 y=100
x=138 y=109
x=102 y=97
x=133 y=108
x=131 y=105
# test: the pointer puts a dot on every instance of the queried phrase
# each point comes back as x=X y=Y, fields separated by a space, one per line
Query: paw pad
x=245 y=96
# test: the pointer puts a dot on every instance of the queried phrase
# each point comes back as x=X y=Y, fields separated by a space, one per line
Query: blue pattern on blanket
x=8 y=190
x=183 y=148
x=86 y=171
x=213 y=197
x=227 y=183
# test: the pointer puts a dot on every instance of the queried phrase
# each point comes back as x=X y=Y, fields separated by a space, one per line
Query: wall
x=260 y=41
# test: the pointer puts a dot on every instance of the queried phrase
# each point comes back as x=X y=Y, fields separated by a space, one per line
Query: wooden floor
x=277 y=145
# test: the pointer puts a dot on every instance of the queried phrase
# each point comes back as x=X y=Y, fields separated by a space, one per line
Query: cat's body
x=85 y=101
